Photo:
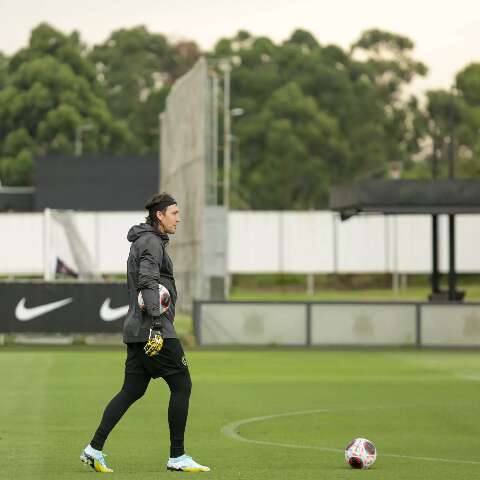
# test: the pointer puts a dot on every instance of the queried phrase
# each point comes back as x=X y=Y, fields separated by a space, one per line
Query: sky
x=446 y=34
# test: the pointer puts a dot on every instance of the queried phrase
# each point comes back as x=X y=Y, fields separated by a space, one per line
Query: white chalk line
x=230 y=431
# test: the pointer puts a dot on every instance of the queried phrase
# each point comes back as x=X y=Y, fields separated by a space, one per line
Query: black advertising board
x=74 y=307
x=95 y=182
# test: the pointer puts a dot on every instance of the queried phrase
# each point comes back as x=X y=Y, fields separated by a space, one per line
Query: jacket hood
x=137 y=231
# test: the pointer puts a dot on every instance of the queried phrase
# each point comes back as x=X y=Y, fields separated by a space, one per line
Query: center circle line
x=231 y=431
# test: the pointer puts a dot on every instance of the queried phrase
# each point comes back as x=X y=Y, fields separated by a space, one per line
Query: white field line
x=230 y=431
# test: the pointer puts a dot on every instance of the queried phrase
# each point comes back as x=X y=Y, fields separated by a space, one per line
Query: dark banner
x=73 y=307
x=105 y=183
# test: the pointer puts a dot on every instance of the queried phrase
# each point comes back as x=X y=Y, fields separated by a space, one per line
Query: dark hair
x=158 y=203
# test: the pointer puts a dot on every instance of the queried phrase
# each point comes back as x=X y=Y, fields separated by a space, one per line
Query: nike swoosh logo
x=108 y=314
x=24 y=313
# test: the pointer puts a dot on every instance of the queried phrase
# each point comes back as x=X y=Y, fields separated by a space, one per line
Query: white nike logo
x=24 y=314
x=108 y=314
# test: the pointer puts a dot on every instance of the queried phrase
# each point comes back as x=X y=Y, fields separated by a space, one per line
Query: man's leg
x=134 y=386
x=180 y=386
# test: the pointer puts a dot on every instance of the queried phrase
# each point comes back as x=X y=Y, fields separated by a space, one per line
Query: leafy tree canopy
x=51 y=91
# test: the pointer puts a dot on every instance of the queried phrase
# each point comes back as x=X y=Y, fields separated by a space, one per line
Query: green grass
x=411 y=403
x=410 y=293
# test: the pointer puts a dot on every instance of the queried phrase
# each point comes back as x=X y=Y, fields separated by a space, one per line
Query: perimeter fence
x=388 y=324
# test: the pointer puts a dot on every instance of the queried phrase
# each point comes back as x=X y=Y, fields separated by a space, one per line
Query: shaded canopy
x=406 y=196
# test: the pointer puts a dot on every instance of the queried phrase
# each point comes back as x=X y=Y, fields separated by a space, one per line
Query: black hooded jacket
x=148 y=265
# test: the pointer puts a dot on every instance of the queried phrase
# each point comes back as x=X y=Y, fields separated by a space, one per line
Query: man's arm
x=149 y=276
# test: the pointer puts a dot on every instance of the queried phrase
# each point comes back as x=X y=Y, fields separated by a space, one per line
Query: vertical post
x=309 y=323
x=97 y=245
x=197 y=313
x=226 y=153
x=226 y=136
x=310 y=284
x=452 y=280
x=451 y=217
x=435 y=280
x=418 y=325
x=435 y=269
x=395 y=274
x=335 y=242
x=47 y=245
x=215 y=137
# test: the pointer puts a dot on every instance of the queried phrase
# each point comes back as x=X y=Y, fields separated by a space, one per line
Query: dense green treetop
x=50 y=91
x=314 y=114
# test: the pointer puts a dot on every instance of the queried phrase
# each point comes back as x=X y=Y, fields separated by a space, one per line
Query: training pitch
x=254 y=414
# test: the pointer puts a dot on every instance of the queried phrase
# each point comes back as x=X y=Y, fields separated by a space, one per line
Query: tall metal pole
x=226 y=67
x=452 y=277
x=435 y=266
x=215 y=178
x=226 y=135
x=452 y=280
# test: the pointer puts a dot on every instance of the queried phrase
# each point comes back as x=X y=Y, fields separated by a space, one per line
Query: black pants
x=134 y=386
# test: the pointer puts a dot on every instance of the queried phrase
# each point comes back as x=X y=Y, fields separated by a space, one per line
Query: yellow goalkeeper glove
x=155 y=340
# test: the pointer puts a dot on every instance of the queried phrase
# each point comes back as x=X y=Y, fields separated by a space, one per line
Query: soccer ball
x=164 y=299
x=360 y=453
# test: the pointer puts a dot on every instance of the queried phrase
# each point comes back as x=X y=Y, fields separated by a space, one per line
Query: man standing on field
x=153 y=347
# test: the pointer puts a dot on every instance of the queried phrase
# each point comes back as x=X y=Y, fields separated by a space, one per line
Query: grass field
x=407 y=294
x=421 y=409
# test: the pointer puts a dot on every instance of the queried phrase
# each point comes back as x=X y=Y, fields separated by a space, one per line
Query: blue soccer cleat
x=185 y=463
x=96 y=459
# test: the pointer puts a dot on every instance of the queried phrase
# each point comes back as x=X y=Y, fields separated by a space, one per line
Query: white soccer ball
x=164 y=299
x=360 y=453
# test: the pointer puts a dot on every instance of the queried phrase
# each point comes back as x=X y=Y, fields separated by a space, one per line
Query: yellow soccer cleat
x=96 y=459
x=185 y=463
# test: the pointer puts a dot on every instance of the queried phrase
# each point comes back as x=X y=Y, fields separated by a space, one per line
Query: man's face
x=169 y=219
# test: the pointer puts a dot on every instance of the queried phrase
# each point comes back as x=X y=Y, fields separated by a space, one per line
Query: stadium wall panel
x=452 y=325
x=363 y=324
x=252 y=324
x=337 y=324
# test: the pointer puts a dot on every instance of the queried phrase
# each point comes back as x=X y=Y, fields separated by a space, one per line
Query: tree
x=361 y=120
x=3 y=70
x=51 y=90
x=136 y=69
x=302 y=148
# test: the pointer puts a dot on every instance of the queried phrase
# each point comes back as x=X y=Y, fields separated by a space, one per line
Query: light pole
x=78 y=137
x=234 y=152
x=226 y=67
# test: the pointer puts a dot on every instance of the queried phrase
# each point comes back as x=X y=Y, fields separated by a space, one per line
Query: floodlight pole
x=226 y=135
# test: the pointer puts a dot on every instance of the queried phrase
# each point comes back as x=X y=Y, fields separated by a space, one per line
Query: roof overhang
x=406 y=197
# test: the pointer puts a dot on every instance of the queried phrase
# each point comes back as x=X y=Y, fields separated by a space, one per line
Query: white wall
x=21 y=243
x=319 y=242
x=264 y=242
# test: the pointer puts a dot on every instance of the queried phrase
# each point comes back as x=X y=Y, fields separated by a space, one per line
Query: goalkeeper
x=153 y=348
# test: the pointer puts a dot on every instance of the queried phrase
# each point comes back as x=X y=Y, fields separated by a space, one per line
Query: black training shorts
x=171 y=359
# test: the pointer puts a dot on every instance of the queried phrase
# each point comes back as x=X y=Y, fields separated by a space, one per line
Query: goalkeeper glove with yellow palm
x=155 y=339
